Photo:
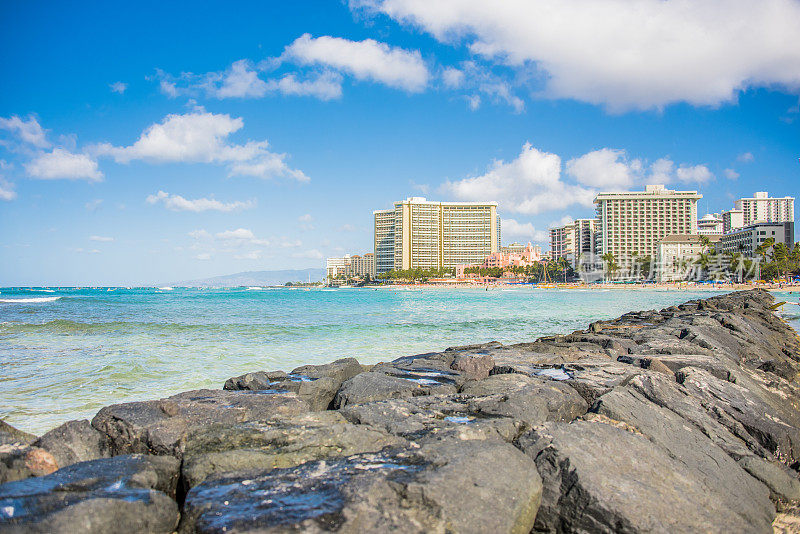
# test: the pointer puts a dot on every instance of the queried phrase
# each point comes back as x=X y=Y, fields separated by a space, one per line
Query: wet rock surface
x=160 y=427
x=470 y=486
x=132 y=493
x=685 y=419
x=277 y=443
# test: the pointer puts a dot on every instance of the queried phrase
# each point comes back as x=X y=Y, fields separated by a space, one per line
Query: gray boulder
x=375 y=386
x=530 y=400
x=122 y=494
x=600 y=478
x=160 y=427
x=768 y=417
x=434 y=418
x=688 y=446
x=259 y=380
x=75 y=441
x=277 y=443
x=468 y=486
x=13 y=436
x=781 y=481
x=473 y=366
x=315 y=384
x=339 y=370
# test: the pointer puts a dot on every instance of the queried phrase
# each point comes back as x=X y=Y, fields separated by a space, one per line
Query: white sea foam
x=43 y=290
x=30 y=301
x=166 y=288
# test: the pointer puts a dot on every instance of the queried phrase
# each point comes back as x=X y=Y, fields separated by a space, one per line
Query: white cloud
x=101 y=239
x=698 y=174
x=501 y=91
x=252 y=255
x=305 y=222
x=169 y=88
x=526 y=231
x=452 y=78
x=7 y=190
x=474 y=102
x=474 y=77
x=325 y=86
x=200 y=234
x=604 y=168
x=202 y=137
x=203 y=256
x=29 y=131
x=240 y=236
x=365 y=60
x=639 y=54
x=93 y=205
x=731 y=174
x=533 y=182
x=529 y=184
x=61 y=163
x=563 y=221
x=347 y=228
x=239 y=233
x=745 y=157
x=118 y=87
x=179 y=203
x=241 y=81
x=312 y=254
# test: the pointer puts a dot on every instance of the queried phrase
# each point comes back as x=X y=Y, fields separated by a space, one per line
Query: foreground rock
x=122 y=494
x=600 y=478
x=160 y=427
x=75 y=441
x=315 y=384
x=467 y=486
x=276 y=443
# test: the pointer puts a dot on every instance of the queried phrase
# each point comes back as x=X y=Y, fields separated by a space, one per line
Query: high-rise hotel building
x=760 y=208
x=573 y=239
x=633 y=223
x=420 y=234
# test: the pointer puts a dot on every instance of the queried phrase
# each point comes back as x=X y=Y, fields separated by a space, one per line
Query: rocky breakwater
x=685 y=419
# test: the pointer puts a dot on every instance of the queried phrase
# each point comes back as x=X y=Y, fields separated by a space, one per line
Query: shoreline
x=697 y=405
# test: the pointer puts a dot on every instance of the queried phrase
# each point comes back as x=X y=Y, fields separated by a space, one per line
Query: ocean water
x=65 y=353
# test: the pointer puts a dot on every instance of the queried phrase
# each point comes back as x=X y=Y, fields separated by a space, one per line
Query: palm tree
x=611 y=263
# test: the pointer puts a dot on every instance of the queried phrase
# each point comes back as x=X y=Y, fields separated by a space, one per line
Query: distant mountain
x=257 y=278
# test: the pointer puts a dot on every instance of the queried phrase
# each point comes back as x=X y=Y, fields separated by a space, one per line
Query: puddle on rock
x=554 y=374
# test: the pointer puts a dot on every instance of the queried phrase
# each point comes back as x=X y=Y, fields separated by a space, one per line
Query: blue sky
x=156 y=142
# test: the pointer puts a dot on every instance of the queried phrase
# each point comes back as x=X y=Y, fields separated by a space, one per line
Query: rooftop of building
x=688 y=238
x=651 y=190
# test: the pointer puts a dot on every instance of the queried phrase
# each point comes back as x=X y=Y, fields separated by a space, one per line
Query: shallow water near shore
x=65 y=353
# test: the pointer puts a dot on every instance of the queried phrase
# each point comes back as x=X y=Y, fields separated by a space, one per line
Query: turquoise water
x=65 y=353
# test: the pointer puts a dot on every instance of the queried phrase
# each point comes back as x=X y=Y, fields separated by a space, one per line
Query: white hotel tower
x=422 y=234
x=633 y=223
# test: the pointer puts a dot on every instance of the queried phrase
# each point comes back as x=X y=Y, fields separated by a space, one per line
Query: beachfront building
x=347 y=266
x=677 y=255
x=745 y=241
x=384 y=240
x=711 y=224
x=336 y=267
x=573 y=240
x=631 y=224
x=527 y=255
x=533 y=252
x=760 y=208
x=423 y=234
x=362 y=266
